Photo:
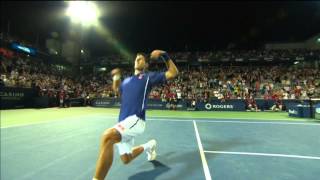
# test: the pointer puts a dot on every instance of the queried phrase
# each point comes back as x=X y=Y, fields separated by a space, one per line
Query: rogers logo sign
x=209 y=106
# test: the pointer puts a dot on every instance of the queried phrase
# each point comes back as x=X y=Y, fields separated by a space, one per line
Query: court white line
x=296 y=122
x=266 y=122
x=204 y=118
x=171 y=120
x=202 y=155
x=241 y=122
x=58 y=120
x=264 y=154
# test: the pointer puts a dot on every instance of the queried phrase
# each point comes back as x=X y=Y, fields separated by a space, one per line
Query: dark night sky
x=143 y=26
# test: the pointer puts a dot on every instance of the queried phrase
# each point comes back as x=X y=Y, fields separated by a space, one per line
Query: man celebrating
x=134 y=91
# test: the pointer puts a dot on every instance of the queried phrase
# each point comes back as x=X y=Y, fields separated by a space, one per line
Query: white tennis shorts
x=129 y=128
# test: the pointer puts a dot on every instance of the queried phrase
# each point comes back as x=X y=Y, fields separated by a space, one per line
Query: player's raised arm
x=172 y=71
x=116 y=77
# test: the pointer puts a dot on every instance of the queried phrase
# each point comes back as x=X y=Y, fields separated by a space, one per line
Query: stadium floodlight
x=84 y=12
x=318 y=40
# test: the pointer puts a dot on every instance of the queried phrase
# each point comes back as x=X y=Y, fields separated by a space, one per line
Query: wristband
x=116 y=77
x=165 y=57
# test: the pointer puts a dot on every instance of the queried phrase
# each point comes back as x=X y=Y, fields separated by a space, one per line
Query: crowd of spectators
x=193 y=83
x=202 y=83
x=52 y=80
x=259 y=54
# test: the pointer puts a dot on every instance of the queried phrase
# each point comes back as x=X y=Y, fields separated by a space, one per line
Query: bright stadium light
x=318 y=40
x=84 y=12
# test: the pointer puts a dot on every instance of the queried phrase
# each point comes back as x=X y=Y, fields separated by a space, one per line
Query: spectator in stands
x=2 y=79
x=61 y=98
x=67 y=101
x=193 y=104
x=179 y=95
x=278 y=106
x=251 y=104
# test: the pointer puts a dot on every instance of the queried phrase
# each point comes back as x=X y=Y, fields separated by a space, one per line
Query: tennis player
x=134 y=91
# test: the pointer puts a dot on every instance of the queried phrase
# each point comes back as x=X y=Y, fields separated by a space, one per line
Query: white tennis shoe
x=151 y=151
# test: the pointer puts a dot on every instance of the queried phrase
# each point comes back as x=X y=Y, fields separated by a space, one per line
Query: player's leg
x=126 y=147
x=109 y=138
x=148 y=147
x=136 y=151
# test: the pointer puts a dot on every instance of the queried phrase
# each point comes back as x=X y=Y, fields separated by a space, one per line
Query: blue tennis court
x=188 y=149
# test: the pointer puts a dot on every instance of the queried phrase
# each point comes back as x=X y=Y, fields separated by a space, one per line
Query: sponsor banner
x=294 y=111
x=12 y=98
x=317 y=111
x=213 y=105
x=151 y=104
x=76 y=102
x=103 y=102
x=218 y=105
x=16 y=97
x=302 y=111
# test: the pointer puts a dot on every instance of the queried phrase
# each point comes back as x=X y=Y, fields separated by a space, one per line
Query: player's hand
x=156 y=54
x=115 y=71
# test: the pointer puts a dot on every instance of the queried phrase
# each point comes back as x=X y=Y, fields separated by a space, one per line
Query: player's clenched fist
x=159 y=55
x=116 y=74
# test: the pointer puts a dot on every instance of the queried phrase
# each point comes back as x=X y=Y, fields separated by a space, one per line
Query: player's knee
x=110 y=136
x=125 y=159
